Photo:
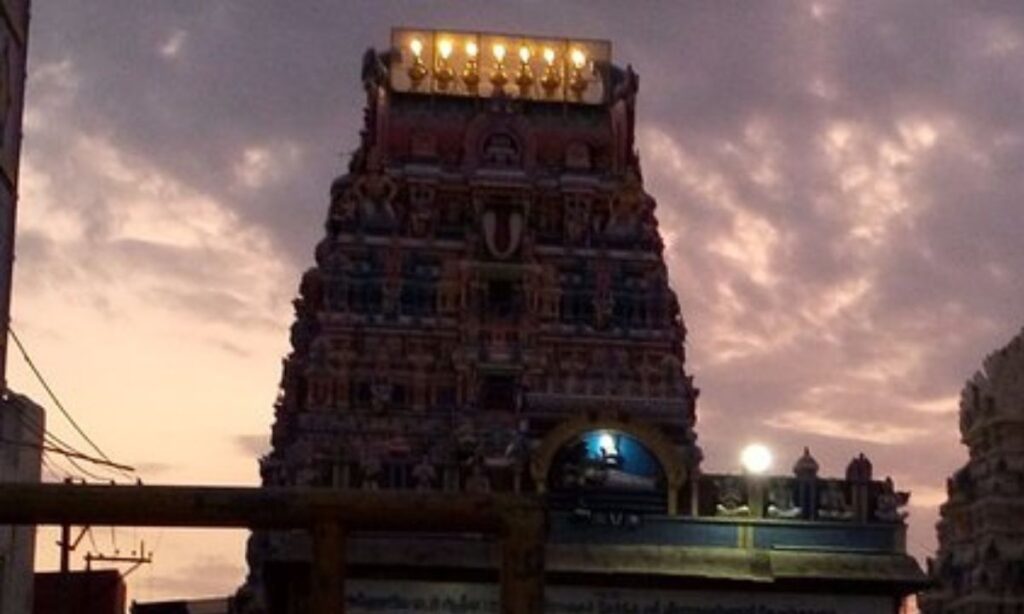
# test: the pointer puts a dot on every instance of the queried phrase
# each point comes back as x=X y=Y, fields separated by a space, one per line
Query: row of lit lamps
x=524 y=78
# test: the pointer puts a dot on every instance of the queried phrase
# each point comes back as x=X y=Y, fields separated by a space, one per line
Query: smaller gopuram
x=979 y=565
x=490 y=311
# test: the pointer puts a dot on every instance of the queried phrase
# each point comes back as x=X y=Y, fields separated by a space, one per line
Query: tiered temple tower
x=490 y=311
x=491 y=272
x=491 y=268
x=979 y=566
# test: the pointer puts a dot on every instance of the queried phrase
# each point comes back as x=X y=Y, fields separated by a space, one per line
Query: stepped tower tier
x=979 y=566
x=491 y=269
x=490 y=309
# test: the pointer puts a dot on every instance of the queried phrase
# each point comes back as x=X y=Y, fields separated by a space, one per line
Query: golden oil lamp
x=524 y=78
x=471 y=71
x=551 y=80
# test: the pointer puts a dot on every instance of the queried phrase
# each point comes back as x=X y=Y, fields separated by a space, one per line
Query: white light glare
x=579 y=59
x=445 y=47
x=756 y=458
x=417 y=47
x=606 y=443
x=499 y=52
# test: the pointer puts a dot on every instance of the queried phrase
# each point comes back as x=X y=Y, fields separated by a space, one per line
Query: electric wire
x=53 y=444
x=56 y=401
x=92 y=540
x=45 y=435
x=63 y=452
x=63 y=449
x=83 y=470
x=51 y=468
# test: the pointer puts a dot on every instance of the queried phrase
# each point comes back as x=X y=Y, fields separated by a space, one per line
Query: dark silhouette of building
x=979 y=566
x=79 y=592
x=21 y=421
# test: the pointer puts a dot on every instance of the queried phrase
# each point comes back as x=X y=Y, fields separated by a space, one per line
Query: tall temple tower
x=491 y=273
x=491 y=269
x=979 y=566
x=490 y=311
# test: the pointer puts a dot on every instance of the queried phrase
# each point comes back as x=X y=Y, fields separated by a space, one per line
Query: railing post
x=328 y=570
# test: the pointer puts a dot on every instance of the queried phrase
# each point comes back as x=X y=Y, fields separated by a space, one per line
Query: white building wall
x=21 y=427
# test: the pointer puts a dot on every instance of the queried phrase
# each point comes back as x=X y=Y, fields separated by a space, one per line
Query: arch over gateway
x=572 y=429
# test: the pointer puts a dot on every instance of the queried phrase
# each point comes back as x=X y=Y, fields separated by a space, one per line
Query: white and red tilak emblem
x=503 y=230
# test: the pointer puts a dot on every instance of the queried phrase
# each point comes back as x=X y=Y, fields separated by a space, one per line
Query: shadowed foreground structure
x=327 y=515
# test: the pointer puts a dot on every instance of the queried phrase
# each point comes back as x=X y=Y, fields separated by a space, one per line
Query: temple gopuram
x=979 y=566
x=490 y=311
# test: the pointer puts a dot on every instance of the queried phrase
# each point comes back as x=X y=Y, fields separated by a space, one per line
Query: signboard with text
x=391 y=597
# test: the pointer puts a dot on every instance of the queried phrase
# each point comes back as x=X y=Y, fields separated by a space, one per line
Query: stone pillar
x=327 y=584
x=522 y=563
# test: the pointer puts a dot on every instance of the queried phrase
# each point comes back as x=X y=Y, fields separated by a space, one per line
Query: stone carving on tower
x=979 y=565
x=491 y=269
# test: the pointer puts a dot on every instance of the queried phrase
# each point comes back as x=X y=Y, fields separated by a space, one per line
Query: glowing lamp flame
x=579 y=59
x=471 y=49
x=549 y=56
x=756 y=458
x=445 y=48
x=499 y=52
x=416 y=46
x=524 y=54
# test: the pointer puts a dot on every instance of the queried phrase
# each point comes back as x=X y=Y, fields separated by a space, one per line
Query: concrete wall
x=21 y=421
x=13 y=47
x=21 y=425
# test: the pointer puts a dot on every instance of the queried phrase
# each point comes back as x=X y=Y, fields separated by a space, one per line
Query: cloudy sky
x=839 y=184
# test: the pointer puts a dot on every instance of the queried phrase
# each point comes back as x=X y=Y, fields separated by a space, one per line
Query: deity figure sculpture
x=380 y=393
x=343 y=208
x=575 y=220
x=780 y=501
x=375 y=192
x=627 y=209
x=833 y=504
x=731 y=498
x=477 y=481
x=424 y=474
x=888 y=503
x=372 y=470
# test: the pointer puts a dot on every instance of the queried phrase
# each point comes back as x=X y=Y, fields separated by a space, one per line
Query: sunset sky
x=840 y=188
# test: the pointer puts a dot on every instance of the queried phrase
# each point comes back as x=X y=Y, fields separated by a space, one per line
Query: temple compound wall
x=490 y=310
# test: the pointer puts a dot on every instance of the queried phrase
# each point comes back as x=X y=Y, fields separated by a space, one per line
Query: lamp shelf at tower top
x=488 y=64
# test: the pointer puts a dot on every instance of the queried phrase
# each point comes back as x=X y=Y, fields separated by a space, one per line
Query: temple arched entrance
x=598 y=461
